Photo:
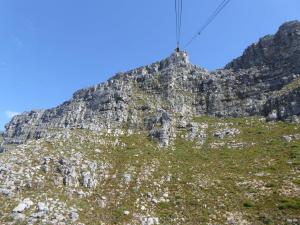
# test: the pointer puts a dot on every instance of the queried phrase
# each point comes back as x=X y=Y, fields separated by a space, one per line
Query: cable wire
x=178 y=15
x=210 y=19
x=180 y=21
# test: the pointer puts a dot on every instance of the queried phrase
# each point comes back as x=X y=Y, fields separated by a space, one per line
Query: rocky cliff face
x=165 y=96
x=281 y=49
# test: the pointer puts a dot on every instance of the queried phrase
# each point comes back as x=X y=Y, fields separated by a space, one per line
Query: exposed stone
x=150 y=221
x=127 y=178
x=226 y=132
x=289 y=138
x=126 y=212
x=74 y=216
x=5 y=192
x=26 y=203
x=42 y=207
x=161 y=128
x=197 y=133
x=70 y=176
x=19 y=217
x=88 y=180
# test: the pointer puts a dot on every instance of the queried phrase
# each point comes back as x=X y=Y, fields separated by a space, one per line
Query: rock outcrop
x=166 y=95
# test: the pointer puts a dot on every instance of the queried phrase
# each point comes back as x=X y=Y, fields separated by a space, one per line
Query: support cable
x=178 y=16
x=210 y=19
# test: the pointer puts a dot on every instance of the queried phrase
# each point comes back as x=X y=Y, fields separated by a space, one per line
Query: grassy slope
x=258 y=183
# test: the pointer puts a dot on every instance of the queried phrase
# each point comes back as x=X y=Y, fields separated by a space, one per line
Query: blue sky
x=51 y=48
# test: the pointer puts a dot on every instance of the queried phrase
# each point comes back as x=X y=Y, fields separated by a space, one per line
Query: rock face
x=279 y=50
x=165 y=95
x=1 y=141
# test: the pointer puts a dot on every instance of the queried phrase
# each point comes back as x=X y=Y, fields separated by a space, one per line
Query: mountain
x=161 y=96
x=167 y=143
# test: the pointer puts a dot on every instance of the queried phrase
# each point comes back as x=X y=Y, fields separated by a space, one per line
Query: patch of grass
x=248 y=204
x=296 y=181
x=293 y=203
x=270 y=185
x=266 y=220
x=119 y=212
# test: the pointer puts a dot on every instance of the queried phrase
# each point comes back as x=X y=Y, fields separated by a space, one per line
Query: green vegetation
x=290 y=204
x=258 y=182
x=248 y=204
x=290 y=87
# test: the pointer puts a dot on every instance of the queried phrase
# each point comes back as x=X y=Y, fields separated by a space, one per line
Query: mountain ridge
x=174 y=86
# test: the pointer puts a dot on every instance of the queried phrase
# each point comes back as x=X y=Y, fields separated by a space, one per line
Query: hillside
x=247 y=171
x=167 y=143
